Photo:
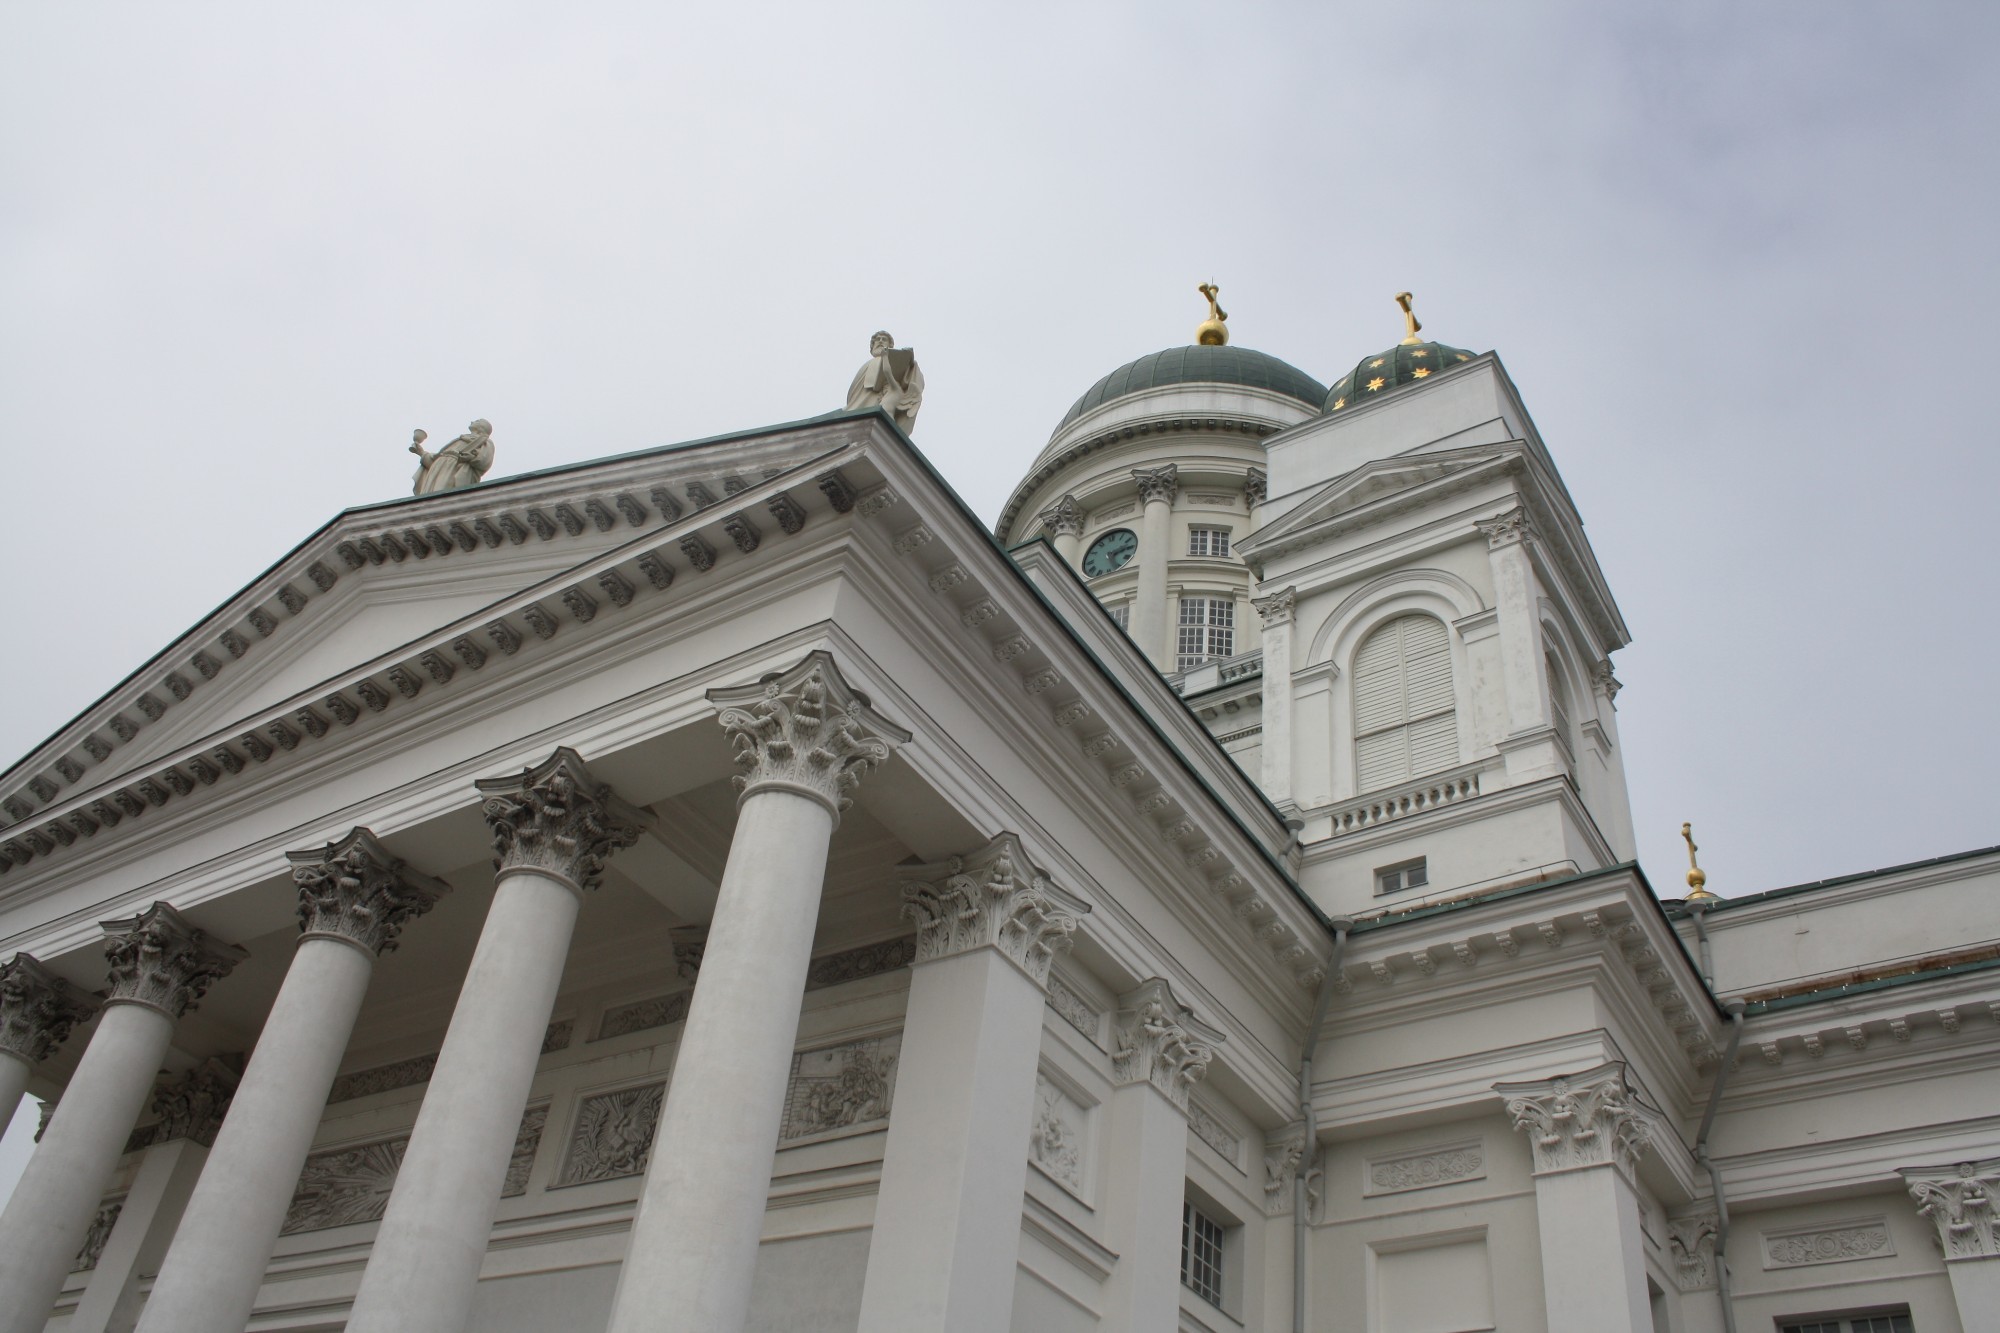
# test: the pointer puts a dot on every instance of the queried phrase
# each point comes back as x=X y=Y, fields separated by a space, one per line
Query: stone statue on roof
x=458 y=465
x=890 y=381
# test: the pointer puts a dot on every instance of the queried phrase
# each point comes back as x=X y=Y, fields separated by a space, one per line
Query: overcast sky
x=1738 y=258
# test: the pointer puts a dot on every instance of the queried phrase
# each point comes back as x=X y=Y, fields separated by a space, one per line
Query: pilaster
x=1961 y=1200
x=992 y=898
x=1530 y=747
x=1275 y=611
x=1158 y=1040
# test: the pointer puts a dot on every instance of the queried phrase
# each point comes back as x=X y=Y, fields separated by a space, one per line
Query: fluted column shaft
x=555 y=829
x=160 y=966
x=355 y=899
x=803 y=740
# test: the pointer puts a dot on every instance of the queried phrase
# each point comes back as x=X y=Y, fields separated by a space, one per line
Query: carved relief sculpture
x=1579 y=1120
x=37 y=1009
x=458 y=465
x=1960 y=1201
x=992 y=897
x=1056 y=1141
x=1282 y=1152
x=840 y=1087
x=889 y=380
x=804 y=730
x=100 y=1231
x=190 y=1106
x=354 y=890
x=613 y=1137
x=556 y=818
x=1159 y=1040
x=160 y=961
x=1693 y=1242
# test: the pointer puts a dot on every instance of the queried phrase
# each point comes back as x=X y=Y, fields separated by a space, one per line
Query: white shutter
x=1405 y=723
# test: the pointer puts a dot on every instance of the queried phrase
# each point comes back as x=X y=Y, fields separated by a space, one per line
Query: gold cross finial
x=1409 y=319
x=1212 y=332
x=1696 y=879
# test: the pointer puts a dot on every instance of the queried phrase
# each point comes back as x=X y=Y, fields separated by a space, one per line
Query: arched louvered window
x=1559 y=700
x=1404 y=720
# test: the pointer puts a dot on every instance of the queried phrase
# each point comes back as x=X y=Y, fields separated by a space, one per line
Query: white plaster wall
x=576 y=1298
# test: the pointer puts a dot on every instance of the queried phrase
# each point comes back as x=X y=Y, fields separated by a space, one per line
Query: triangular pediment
x=345 y=623
x=1372 y=486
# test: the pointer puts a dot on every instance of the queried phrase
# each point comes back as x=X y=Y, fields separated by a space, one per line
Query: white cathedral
x=728 y=887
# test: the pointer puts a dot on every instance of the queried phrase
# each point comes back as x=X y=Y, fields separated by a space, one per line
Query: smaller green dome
x=1385 y=372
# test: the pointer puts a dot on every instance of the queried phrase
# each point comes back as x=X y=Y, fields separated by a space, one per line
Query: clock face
x=1110 y=552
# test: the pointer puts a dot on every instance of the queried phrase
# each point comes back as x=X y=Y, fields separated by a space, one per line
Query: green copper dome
x=1200 y=365
x=1385 y=372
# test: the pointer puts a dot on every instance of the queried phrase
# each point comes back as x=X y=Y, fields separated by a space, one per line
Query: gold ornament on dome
x=1376 y=383
x=1212 y=332
x=1697 y=881
x=1339 y=403
x=1409 y=319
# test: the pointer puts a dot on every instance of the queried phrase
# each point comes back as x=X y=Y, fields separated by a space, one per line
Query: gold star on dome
x=1420 y=372
x=1420 y=352
x=1375 y=384
x=1462 y=356
x=1376 y=362
x=1339 y=403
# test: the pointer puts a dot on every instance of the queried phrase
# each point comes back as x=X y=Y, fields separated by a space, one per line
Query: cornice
x=559 y=505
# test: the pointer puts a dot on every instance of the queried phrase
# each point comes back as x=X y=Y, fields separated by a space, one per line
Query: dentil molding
x=806 y=731
x=354 y=890
x=1579 y=1120
x=1159 y=1040
x=992 y=898
x=37 y=1009
x=160 y=961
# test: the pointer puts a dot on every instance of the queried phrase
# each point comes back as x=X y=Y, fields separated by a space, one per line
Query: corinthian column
x=1587 y=1135
x=1063 y=521
x=803 y=740
x=554 y=827
x=354 y=900
x=37 y=1010
x=1161 y=1050
x=1157 y=487
x=1962 y=1201
x=160 y=965
x=948 y=1214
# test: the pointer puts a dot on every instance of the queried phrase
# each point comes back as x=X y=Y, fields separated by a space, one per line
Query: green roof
x=1385 y=372
x=1201 y=365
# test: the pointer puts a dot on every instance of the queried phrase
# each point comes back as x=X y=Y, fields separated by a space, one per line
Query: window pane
x=1201 y=1254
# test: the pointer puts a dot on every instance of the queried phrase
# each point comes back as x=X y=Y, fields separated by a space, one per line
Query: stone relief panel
x=1423 y=1168
x=1059 y=1139
x=841 y=1088
x=1213 y=1130
x=1839 y=1243
x=613 y=1135
x=656 y=1012
x=383 y=1078
x=100 y=1231
x=867 y=961
x=344 y=1186
x=1075 y=1009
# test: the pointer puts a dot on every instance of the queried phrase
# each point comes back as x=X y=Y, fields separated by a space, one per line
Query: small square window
x=1207 y=631
x=1121 y=616
x=1208 y=541
x=1201 y=1254
x=1409 y=875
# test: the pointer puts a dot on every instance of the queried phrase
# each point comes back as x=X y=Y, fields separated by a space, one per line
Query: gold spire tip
x=1696 y=879
x=1212 y=332
x=1410 y=325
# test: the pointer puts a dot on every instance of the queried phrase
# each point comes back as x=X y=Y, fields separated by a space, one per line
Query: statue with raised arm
x=890 y=381
x=458 y=465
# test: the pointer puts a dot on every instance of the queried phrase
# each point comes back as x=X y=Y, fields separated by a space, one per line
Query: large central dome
x=1200 y=365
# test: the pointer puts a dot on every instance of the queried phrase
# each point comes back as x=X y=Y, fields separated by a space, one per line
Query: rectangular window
x=1208 y=541
x=1207 y=630
x=1881 y=1321
x=1201 y=1254
x=1121 y=616
x=1409 y=875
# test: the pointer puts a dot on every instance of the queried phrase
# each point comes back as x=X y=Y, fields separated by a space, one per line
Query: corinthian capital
x=1064 y=518
x=1159 y=1040
x=805 y=731
x=557 y=819
x=37 y=1008
x=1579 y=1120
x=1255 y=486
x=991 y=898
x=160 y=961
x=1157 y=483
x=354 y=890
x=1506 y=529
x=191 y=1106
x=1277 y=608
x=1960 y=1202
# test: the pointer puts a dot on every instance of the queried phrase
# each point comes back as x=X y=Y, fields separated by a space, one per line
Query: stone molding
x=1064 y=518
x=160 y=961
x=992 y=898
x=190 y=1106
x=1425 y=1168
x=1960 y=1201
x=1159 y=1040
x=1277 y=608
x=1580 y=1120
x=806 y=731
x=37 y=1009
x=1827 y=1243
x=1506 y=529
x=355 y=890
x=1158 y=483
x=556 y=818
x=1692 y=1240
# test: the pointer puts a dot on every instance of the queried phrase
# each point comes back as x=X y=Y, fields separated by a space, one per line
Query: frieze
x=840 y=1089
x=383 y=1078
x=351 y=1185
x=1838 y=1243
x=867 y=961
x=1210 y=1129
x=1075 y=1010
x=1425 y=1168
x=640 y=1015
x=613 y=1135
